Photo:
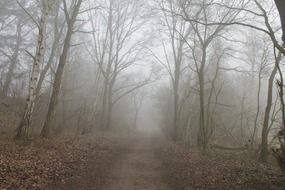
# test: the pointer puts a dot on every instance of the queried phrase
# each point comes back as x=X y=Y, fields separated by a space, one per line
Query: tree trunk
x=253 y=138
x=176 y=84
x=281 y=8
x=109 y=79
x=46 y=131
x=45 y=70
x=54 y=48
x=13 y=62
x=201 y=141
x=264 y=135
x=176 y=97
x=110 y=107
x=38 y=61
x=104 y=104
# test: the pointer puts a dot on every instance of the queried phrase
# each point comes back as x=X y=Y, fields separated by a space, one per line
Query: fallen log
x=215 y=146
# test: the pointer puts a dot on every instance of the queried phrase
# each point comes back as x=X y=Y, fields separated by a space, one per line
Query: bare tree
x=57 y=33
x=263 y=62
x=70 y=20
x=111 y=51
x=34 y=79
x=13 y=59
x=205 y=34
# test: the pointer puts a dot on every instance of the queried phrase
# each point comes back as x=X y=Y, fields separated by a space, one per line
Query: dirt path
x=138 y=168
x=129 y=163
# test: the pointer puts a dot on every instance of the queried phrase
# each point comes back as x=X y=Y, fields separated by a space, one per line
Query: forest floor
x=133 y=161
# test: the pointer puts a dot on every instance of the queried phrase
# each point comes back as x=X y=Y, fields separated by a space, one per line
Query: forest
x=142 y=94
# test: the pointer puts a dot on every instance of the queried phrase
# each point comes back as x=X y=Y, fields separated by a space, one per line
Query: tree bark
x=253 y=137
x=46 y=131
x=201 y=141
x=54 y=49
x=176 y=101
x=281 y=8
x=264 y=135
x=38 y=61
x=13 y=62
x=106 y=112
x=110 y=107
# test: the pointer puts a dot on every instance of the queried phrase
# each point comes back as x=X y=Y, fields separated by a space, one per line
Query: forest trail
x=138 y=168
x=128 y=163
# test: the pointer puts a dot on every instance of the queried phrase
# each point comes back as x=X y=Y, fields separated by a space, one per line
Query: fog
x=205 y=75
